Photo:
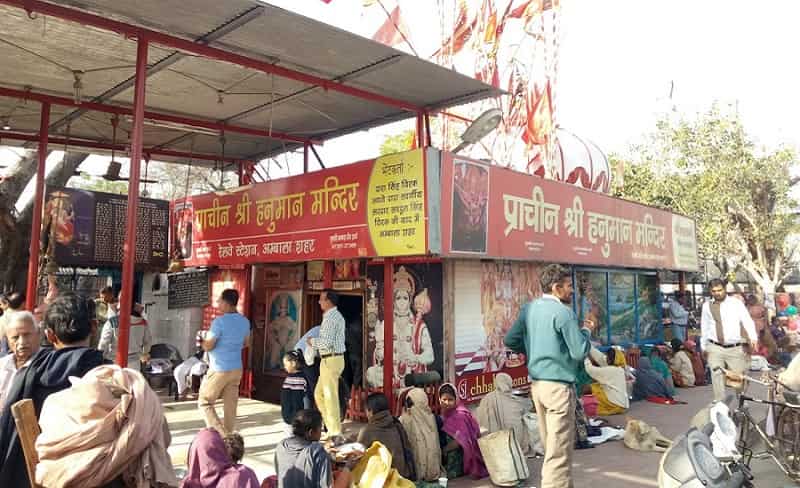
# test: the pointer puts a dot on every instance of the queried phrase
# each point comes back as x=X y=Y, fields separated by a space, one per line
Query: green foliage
x=397 y=143
x=96 y=183
x=707 y=168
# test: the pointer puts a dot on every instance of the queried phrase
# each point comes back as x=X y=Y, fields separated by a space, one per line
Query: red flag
x=327 y=1
x=392 y=30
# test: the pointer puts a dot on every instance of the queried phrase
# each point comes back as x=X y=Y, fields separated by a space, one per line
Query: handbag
x=504 y=458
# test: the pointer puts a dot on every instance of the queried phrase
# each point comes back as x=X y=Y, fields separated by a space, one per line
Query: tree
x=398 y=143
x=15 y=227
x=708 y=168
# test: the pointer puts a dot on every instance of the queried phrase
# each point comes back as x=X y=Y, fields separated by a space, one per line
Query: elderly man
x=68 y=322
x=23 y=340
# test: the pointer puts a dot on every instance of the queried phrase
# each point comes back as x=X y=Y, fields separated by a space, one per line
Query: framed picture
x=284 y=308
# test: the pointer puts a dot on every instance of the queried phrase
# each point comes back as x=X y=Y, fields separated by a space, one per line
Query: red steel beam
x=156 y=116
x=38 y=205
x=129 y=259
x=388 y=331
x=156 y=37
x=90 y=144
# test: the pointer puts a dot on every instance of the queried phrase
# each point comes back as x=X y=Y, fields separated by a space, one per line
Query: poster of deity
x=505 y=287
x=470 y=198
x=283 y=314
x=417 y=320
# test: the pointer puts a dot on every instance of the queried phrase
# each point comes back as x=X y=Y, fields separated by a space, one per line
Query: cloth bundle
x=108 y=424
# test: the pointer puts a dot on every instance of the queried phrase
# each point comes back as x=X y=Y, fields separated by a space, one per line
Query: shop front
x=500 y=227
x=434 y=254
x=342 y=229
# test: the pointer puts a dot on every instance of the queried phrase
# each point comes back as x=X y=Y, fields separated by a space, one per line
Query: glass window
x=592 y=301
x=622 y=307
x=650 y=328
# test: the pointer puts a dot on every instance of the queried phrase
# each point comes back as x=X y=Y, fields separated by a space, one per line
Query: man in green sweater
x=547 y=332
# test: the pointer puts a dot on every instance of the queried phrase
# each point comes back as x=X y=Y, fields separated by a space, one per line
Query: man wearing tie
x=728 y=335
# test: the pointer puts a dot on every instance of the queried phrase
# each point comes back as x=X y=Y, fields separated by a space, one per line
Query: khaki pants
x=218 y=384
x=555 y=406
x=731 y=358
x=326 y=394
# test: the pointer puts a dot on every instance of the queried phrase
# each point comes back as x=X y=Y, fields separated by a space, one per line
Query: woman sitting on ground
x=423 y=434
x=698 y=366
x=649 y=383
x=610 y=386
x=681 y=363
x=501 y=410
x=660 y=366
x=301 y=461
x=384 y=428
x=458 y=437
x=211 y=464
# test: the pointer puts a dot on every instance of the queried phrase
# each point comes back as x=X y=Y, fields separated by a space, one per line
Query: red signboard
x=472 y=387
x=366 y=209
x=489 y=211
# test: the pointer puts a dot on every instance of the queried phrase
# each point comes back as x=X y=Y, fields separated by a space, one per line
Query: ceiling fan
x=114 y=167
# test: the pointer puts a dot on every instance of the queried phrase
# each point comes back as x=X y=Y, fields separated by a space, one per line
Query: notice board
x=187 y=289
x=89 y=229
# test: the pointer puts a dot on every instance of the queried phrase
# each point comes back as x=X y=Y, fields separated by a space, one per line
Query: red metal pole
x=154 y=116
x=420 y=131
x=305 y=158
x=38 y=205
x=388 y=331
x=129 y=259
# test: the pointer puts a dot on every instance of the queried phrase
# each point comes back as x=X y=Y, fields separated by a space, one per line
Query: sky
x=617 y=61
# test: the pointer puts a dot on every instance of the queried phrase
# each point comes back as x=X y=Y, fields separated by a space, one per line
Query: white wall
x=177 y=327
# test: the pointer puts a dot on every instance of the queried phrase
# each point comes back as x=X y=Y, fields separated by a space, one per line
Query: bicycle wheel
x=787 y=439
x=744 y=432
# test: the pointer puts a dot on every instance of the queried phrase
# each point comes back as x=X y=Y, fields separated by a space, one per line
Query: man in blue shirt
x=547 y=331
x=229 y=334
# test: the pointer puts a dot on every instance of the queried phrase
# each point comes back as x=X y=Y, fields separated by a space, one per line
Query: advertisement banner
x=366 y=209
x=494 y=212
x=88 y=228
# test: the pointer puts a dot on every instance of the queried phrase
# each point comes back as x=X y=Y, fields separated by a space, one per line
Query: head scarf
x=211 y=466
x=676 y=344
x=501 y=410
x=420 y=425
x=649 y=382
x=459 y=424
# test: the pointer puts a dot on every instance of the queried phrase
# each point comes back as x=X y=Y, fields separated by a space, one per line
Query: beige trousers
x=555 y=406
x=326 y=394
x=732 y=358
x=218 y=384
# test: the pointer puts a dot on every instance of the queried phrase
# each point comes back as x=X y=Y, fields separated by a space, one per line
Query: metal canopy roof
x=45 y=54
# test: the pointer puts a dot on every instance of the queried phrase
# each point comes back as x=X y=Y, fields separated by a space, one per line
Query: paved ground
x=610 y=464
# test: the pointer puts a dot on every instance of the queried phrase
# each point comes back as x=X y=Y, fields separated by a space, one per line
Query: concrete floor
x=610 y=464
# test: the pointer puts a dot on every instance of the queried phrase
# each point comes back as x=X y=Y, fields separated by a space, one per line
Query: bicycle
x=784 y=447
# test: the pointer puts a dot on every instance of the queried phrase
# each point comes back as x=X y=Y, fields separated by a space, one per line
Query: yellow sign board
x=396 y=204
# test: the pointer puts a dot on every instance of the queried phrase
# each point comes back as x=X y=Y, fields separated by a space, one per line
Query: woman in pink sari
x=210 y=465
x=458 y=437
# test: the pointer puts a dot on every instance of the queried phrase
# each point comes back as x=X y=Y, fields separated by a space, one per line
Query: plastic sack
x=504 y=458
x=374 y=470
x=531 y=421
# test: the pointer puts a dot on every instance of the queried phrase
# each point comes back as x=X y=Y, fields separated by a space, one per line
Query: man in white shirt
x=23 y=340
x=728 y=335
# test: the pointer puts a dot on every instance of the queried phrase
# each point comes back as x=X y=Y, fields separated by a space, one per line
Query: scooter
x=690 y=463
